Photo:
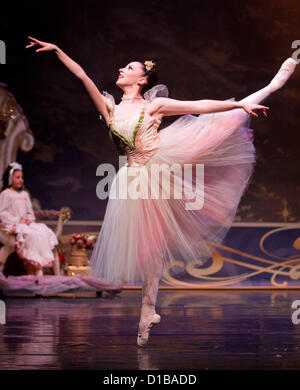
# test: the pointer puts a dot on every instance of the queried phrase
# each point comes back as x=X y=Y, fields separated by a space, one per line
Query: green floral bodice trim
x=130 y=144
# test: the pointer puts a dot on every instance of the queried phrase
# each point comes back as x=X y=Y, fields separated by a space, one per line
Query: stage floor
x=201 y=330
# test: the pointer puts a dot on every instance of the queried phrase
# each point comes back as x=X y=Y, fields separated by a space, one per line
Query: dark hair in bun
x=152 y=76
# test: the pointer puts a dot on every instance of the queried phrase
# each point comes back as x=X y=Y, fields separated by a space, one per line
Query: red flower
x=61 y=258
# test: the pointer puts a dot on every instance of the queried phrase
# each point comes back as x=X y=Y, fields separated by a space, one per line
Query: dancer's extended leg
x=284 y=73
x=149 y=296
x=278 y=81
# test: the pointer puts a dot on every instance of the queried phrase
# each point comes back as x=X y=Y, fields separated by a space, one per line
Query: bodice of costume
x=136 y=129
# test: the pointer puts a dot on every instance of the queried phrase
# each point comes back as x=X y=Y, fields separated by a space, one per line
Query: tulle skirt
x=205 y=164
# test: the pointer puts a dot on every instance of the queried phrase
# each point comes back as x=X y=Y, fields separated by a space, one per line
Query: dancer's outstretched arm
x=166 y=106
x=97 y=97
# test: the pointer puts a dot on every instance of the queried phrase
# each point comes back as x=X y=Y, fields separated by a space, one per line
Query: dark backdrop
x=204 y=50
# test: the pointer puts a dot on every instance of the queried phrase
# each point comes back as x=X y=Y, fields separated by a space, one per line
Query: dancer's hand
x=45 y=46
x=250 y=107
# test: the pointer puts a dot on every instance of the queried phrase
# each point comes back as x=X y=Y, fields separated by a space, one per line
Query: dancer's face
x=17 y=180
x=132 y=74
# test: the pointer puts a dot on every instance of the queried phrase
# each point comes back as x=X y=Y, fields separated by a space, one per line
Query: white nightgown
x=34 y=242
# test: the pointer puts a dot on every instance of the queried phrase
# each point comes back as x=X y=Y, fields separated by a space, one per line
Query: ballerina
x=34 y=242
x=141 y=235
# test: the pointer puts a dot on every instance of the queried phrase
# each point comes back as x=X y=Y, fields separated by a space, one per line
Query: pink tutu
x=138 y=234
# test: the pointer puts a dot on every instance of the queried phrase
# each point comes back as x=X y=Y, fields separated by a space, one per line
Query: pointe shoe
x=146 y=323
x=284 y=73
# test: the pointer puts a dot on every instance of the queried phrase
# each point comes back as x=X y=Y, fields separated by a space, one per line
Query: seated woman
x=34 y=242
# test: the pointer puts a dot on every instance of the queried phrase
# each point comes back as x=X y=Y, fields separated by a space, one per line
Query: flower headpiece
x=149 y=64
x=14 y=166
